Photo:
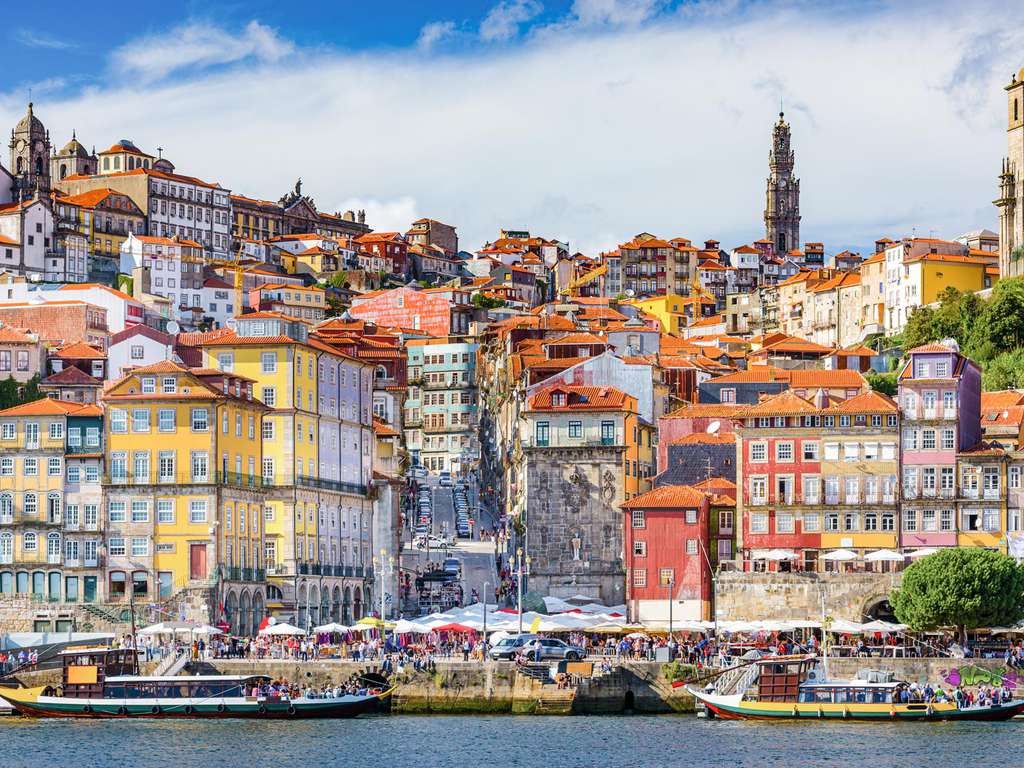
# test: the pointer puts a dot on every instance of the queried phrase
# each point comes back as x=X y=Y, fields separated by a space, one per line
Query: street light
x=670 y=583
x=486 y=584
x=519 y=584
x=714 y=588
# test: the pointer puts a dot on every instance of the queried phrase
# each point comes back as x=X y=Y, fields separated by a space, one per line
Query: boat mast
x=131 y=607
x=826 y=622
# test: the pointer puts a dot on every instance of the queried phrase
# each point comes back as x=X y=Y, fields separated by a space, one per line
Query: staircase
x=171 y=665
x=737 y=680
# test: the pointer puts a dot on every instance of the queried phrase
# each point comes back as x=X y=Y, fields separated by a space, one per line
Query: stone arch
x=245 y=614
x=257 y=611
x=231 y=609
x=314 y=605
x=876 y=606
x=357 y=604
x=346 y=607
x=300 y=607
x=325 y=605
x=336 y=604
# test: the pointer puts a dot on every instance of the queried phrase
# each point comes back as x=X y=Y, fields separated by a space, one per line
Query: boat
x=95 y=686
x=798 y=688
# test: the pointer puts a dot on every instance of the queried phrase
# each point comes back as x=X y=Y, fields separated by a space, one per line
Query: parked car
x=550 y=648
x=445 y=479
x=418 y=473
x=433 y=541
x=452 y=565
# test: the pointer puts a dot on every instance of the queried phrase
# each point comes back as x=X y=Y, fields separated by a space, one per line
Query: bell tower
x=782 y=198
x=1011 y=186
x=30 y=156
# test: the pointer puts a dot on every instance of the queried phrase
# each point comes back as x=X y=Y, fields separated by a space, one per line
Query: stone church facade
x=573 y=522
x=1011 y=184
x=782 y=200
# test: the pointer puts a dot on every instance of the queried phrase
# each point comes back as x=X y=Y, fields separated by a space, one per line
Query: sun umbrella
x=780 y=554
x=884 y=555
x=922 y=552
x=840 y=554
x=332 y=628
x=284 y=628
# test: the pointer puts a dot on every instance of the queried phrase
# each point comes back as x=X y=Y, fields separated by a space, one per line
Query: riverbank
x=457 y=687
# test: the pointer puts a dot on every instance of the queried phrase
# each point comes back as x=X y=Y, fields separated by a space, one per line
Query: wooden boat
x=798 y=689
x=90 y=690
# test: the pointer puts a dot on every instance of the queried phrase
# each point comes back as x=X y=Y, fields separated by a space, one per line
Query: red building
x=390 y=246
x=666 y=553
x=435 y=312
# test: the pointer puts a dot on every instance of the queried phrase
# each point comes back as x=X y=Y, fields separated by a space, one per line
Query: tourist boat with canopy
x=799 y=688
x=103 y=683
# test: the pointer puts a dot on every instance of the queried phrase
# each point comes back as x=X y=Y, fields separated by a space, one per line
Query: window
x=117 y=511
x=810 y=450
x=759 y=522
x=269 y=396
x=784 y=451
x=929 y=520
x=948 y=439
x=541 y=432
x=118 y=420
x=851 y=451
x=784 y=522
x=638 y=519
x=31 y=467
x=639 y=548
x=197 y=511
x=7 y=431
x=140 y=511
x=200 y=467
x=140 y=420
x=639 y=577
x=116 y=546
x=946 y=520
x=169 y=385
x=759 y=451
x=1013 y=477
x=74 y=473
x=831 y=451
x=165 y=511
x=166 y=420
x=148 y=385
x=576 y=429
x=267 y=429
x=200 y=419
x=140 y=546
x=53 y=466
x=56 y=430
x=928 y=439
x=812 y=523
x=832 y=522
x=268 y=362
x=870 y=451
x=226 y=361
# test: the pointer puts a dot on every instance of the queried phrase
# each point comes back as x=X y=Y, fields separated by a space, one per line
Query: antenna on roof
x=714 y=427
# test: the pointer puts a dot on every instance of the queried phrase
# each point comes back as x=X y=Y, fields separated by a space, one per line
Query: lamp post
x=519 y=585
x=486 y=584
x=714 y=589
x=671 y=584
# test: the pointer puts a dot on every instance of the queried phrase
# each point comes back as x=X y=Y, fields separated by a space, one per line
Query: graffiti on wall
x=972 y=675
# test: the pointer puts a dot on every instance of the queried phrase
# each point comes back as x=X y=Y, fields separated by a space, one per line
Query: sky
x=587 y=121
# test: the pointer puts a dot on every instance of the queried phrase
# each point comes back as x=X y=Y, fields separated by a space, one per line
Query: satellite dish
x=713 y=427
x=630 y=293
x=173 y=328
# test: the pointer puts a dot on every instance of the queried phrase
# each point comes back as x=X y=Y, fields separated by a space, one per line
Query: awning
x=840 y=554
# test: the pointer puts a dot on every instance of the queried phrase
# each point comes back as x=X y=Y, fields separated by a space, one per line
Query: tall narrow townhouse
x=83 y=505
x=33 y=446
x=344 y=404
x=940 y=402
x=276 y=351
x=184 y=497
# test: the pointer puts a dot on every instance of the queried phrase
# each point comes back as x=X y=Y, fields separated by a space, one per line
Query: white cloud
x=664 y=128
x=592 y=13
x=37 y=40
x=393 y=215
x=433 y=33
x=196 y=45
x=502 y=22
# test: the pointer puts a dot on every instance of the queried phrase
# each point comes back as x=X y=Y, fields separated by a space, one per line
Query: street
x=477 y=557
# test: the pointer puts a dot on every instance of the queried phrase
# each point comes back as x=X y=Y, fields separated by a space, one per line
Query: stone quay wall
x=778 y=596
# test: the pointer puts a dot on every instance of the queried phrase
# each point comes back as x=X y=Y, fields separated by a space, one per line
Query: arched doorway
x=300 y=608
x=357 y=608
x=346 y=607
x=314 y=606
x=231 y=610
x=257 y=612
x=368 y=601
x=880 y=610
x=245 y=614
x=336 y=604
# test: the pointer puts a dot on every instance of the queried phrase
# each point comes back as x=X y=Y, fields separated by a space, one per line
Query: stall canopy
x=280 y=630
x=780 y=554
x=884 y=556
x=923 y=552
x=332 y=628
x=837 y=555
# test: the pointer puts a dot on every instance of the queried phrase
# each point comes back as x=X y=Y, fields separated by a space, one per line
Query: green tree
x=487 y=302
x=1004 y=371
x=920 y=328
x=1002 y=322
x=882 y=382
x=961 y=587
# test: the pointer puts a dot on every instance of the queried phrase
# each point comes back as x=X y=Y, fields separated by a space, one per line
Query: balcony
x=970 y=493
x=758 y=501
x=852 y=498
x=72 y=563
x=871 y=498
x=91 y=562
x=991 y=493
x=831 y=499
x=949 y=413
x=330 y=485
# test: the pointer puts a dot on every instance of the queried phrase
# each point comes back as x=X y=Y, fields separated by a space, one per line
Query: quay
x=457 y=687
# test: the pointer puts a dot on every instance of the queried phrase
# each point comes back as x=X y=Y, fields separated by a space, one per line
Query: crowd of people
x=16 y=661
x=283 y=690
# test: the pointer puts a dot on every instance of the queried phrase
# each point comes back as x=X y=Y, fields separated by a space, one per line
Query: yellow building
x=317 y=455
x=187 y=511
x=104 y=216
x=929 y=274
x=669 y=309
x=40 y=552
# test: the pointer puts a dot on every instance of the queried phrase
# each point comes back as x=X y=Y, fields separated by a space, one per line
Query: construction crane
x=586 y=277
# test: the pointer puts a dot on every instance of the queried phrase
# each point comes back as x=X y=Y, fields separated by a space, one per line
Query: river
x=502 y=742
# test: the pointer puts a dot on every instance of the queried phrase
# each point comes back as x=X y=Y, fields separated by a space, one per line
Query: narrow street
x=477 y=557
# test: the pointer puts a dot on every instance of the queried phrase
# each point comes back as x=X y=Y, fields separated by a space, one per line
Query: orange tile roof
x=10 y=335
x=785 y=403
x=79 y=351
x=930 y=348
x=866 y=402
x=49 y=406
x=949 y=258
x=576 y=338
x=706 y=438
x=1002 y=398
x=704 y=411
x=580 y=398
x=799 y=378
x=667 y=497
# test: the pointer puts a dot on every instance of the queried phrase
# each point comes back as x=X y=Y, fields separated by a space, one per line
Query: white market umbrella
x=780 y=554
x=206 y=629
x=332 y=628
x=923 y=552
x=884 y=556
x=884 y=626
x=278 y=630
x=844 y=627
x=837 y=555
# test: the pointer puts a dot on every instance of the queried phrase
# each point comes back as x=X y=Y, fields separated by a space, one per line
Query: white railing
x=888 y=498
x=949 y=413
x=758 y=501
x=831 y=499
x=991 y=493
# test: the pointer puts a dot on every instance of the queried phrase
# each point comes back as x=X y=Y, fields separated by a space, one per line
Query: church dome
x=74 y=148
x=29 y=123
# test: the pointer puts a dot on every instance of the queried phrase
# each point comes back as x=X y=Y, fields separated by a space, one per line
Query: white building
x=137 y=346
x=167 y=267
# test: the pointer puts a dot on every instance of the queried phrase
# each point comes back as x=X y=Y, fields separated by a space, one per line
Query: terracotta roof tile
x=667 y=497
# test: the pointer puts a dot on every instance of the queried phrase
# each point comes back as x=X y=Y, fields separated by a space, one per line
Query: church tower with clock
x=30 y=156
x=782 y=200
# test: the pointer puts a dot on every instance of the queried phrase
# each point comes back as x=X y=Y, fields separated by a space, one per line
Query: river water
x=503 y=742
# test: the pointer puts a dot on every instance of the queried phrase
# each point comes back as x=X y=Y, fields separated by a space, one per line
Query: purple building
x=940 y=405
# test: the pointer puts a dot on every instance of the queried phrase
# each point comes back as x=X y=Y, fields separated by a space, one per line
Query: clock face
x=782 y=183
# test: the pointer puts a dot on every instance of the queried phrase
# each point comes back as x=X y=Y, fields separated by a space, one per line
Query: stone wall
x=767 y=596
x=574 y=524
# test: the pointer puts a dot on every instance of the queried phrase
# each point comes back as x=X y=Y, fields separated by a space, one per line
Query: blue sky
x=585 y=120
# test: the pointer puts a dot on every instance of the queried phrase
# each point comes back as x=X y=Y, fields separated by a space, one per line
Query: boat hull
x=734 y=708
x=31 y=703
